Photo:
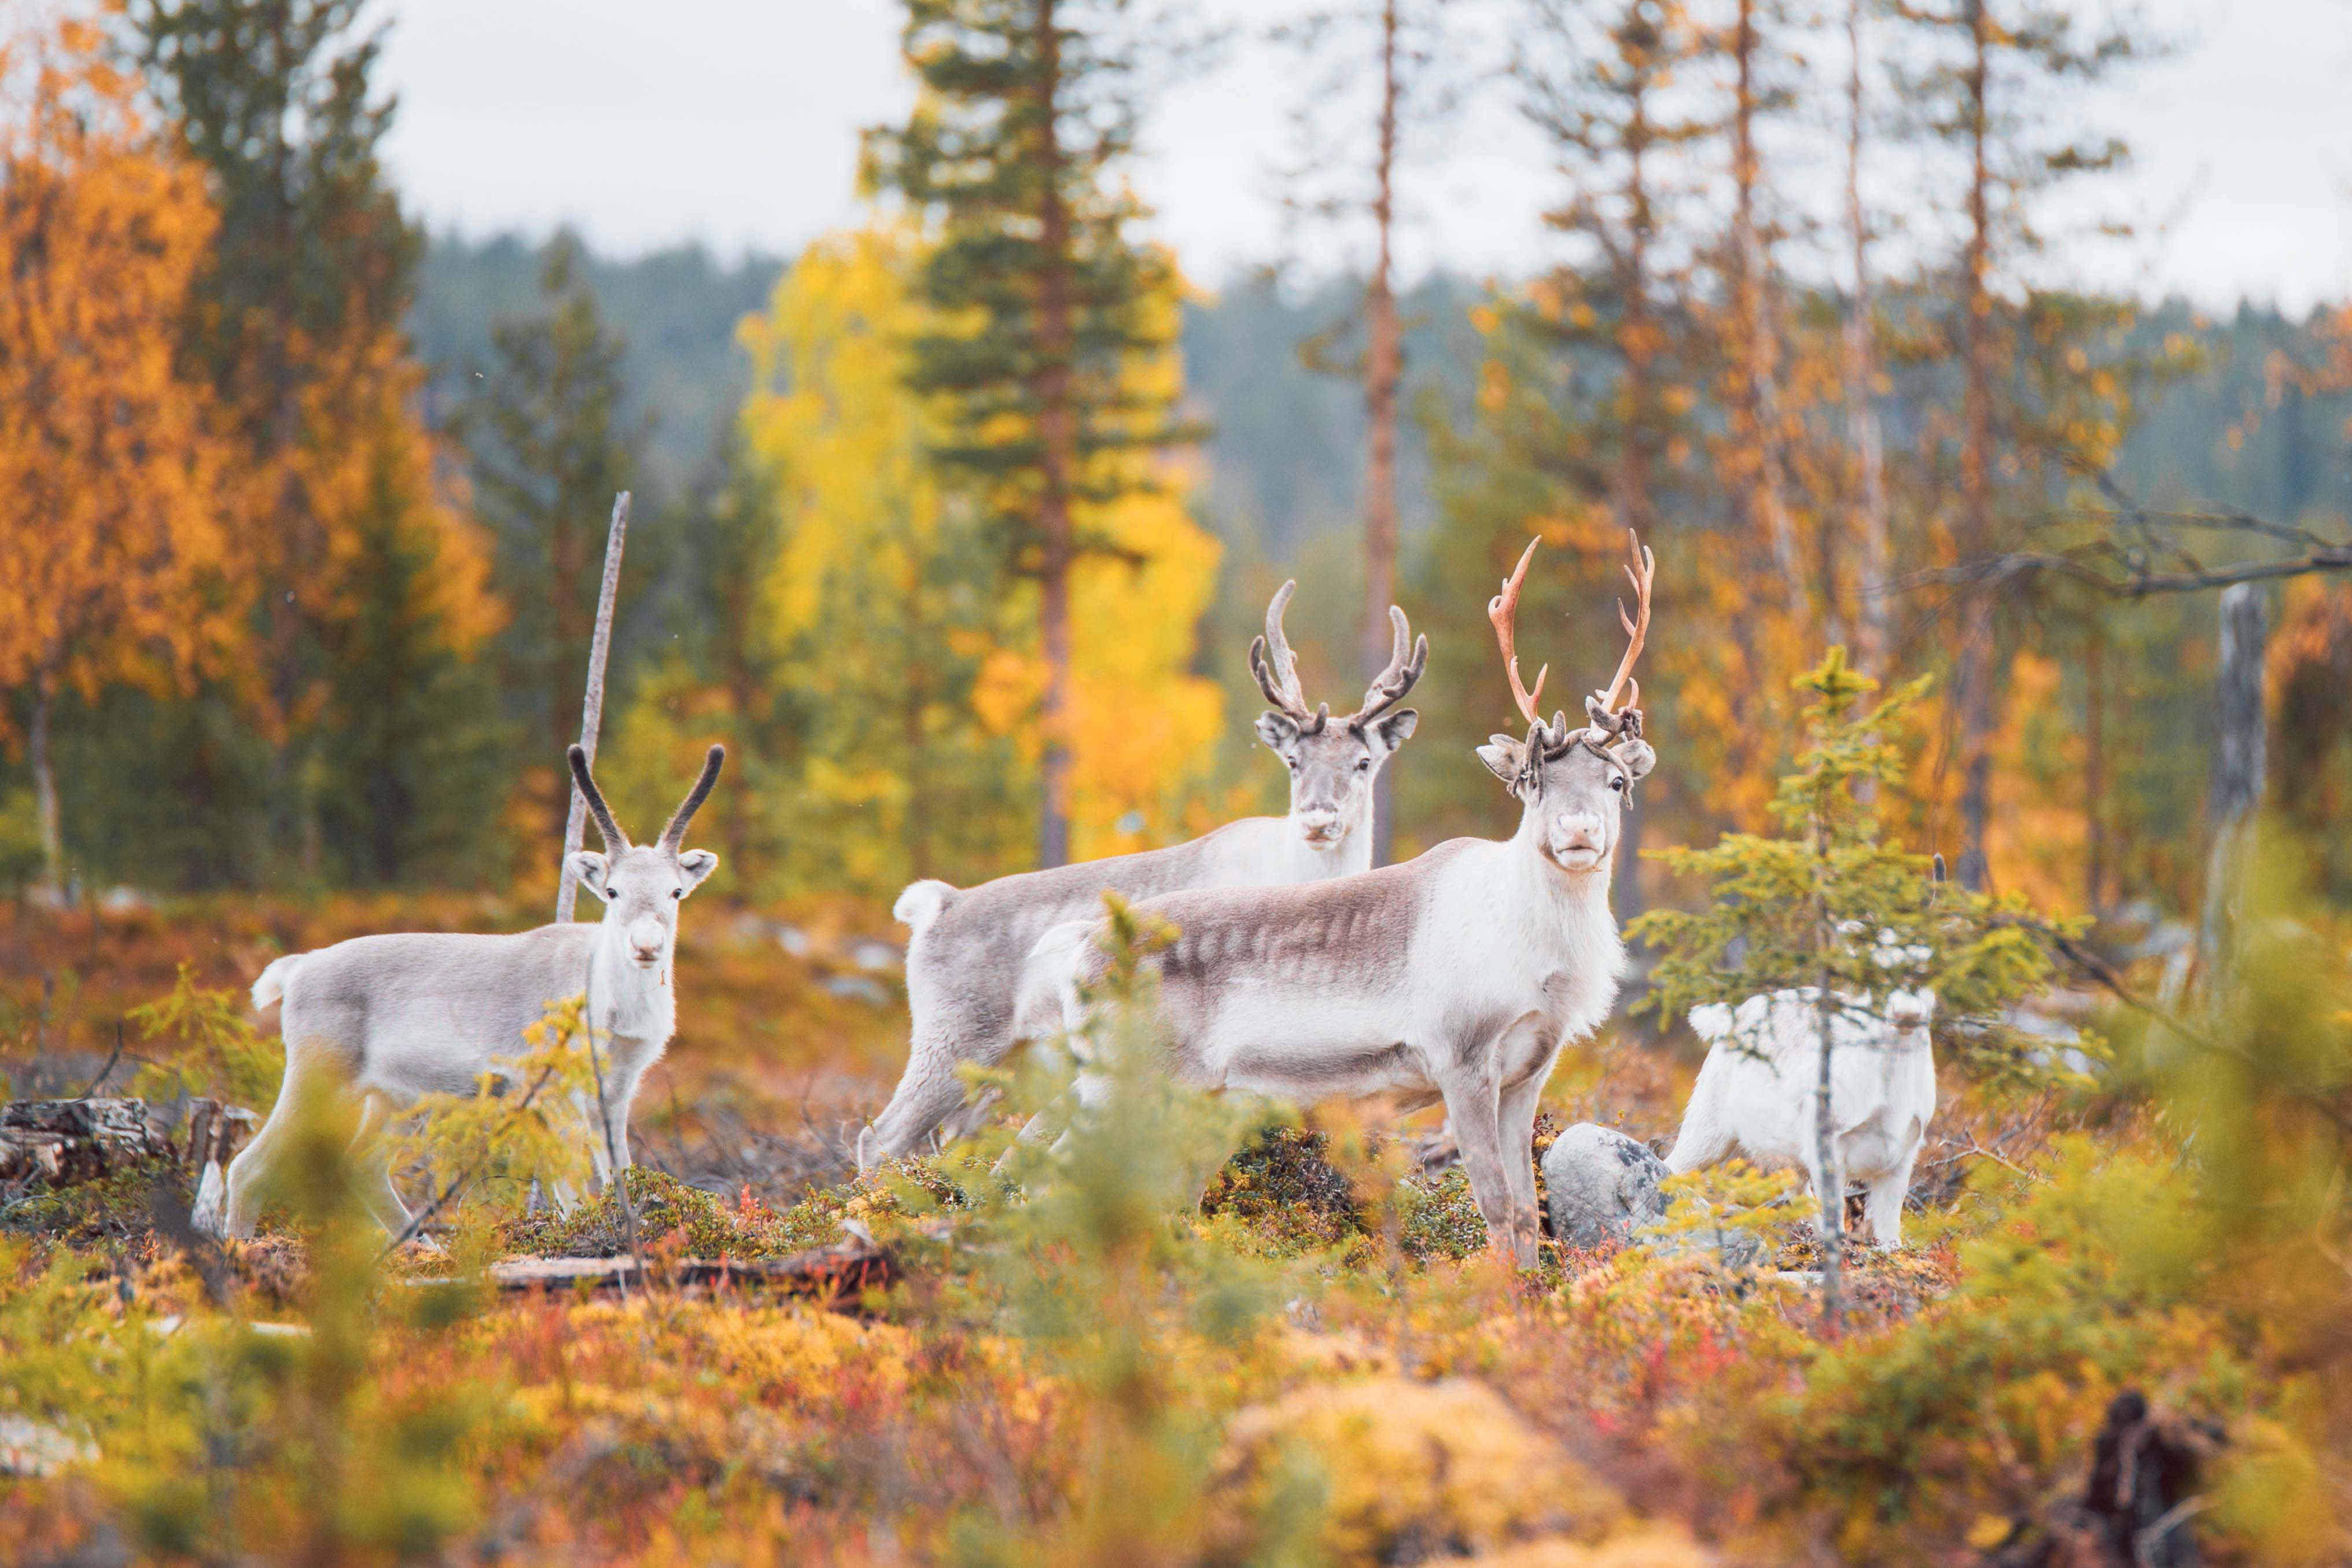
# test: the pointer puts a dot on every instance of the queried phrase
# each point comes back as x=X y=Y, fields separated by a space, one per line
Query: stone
x=1602 y=1188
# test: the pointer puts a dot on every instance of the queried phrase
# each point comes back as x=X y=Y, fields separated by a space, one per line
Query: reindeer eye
x=1363 y=765
x=1618 y=783
x=677 y=892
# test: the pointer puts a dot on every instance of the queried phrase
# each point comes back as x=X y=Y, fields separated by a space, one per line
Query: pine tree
x=549 y=450
x=297 y=325
x=1013 y=152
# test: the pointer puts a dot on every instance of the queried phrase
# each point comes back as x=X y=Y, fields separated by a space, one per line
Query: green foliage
x=1708 y=1206
x=1831 y=905
x=1283 y=1188
x=274 y=100
x=217 y=1052
x=549 y=450
x=1092 y=1258
x=521 y=1122
x=1041 y=293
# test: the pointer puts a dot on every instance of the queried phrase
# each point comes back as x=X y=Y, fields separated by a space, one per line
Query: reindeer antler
x=1637 y=628
x=1388 y=687
x=674 y=835
x=1503 y=610
x=615 y=841
x=1277 y=667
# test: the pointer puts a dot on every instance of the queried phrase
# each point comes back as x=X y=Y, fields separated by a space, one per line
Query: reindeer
x=1754 y=1095
x=393 y=1017
x=1455 y=977
x=965 y=964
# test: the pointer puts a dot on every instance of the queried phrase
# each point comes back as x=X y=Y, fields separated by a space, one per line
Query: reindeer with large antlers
x=392 y=1017
x=966 y=964
x=1455 y=977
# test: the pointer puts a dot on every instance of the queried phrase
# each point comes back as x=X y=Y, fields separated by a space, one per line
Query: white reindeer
x=393 y=1017
x=1454 y=977
x=965 y=964
x=1754 y=1095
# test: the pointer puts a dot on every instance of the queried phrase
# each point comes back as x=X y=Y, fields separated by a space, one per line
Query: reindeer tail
x=920 y=904
x=270 y=988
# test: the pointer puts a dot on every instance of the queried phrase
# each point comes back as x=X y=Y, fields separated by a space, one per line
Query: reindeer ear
x=1277 y=730
x=1634 y=756
x=1395 y=729
x=589 y=867
x=697 y=863
x=1505 y=756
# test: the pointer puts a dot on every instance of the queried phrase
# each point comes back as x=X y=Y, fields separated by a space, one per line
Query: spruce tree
x=549 y=450
x=1026 y=113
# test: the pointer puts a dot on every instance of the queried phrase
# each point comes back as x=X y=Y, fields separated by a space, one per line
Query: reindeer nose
x=1580 y=833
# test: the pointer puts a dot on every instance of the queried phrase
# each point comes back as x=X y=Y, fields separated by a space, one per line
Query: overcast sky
x=736 y=122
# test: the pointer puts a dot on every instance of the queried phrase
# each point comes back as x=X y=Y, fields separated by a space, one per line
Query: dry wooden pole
x=592 y=708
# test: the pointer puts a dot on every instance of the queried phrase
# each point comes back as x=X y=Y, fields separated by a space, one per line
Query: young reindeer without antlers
x=392 y=1017
x=1454 y=977
x=966 y=964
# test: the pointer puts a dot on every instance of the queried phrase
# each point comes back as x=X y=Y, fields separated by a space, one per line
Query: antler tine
x=1503 y=610
x=674 y=835
x=1276 y=666
x=615 y=841
x=1637 y=626
x=1407 y=660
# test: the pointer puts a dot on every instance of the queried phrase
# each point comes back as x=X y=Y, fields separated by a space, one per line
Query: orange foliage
x=112 y=535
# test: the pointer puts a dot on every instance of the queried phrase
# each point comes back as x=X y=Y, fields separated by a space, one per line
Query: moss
x=669 y=1213
x=1441 y=1218
x=1284 y=1192
x=117 y=1207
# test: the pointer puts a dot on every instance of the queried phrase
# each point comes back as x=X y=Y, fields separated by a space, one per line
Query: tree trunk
x=1634 y=338
x=45 y=786
x=2094 y=769
x=1875 y=612
x=2238 y=770
x=1057 y=432
x=1832 y=1198
x=1383 y=369
x=1759 y=409
x=1973 y=687
x=1636 y=343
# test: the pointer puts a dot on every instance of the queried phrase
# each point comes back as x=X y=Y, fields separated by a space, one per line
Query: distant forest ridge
x=1282 y=466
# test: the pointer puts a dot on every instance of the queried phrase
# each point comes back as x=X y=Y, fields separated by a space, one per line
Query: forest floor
x=1316 y=1362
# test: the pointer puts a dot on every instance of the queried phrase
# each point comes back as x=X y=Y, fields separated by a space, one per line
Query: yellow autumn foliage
x=916 y=659
x=1405 y=1462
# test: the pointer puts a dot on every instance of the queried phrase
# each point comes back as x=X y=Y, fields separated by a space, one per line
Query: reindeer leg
x=373 y=1177
x=1518 y=1116
x=1475 y=1105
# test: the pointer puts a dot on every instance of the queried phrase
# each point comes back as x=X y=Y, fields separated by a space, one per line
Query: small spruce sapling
x=1831 y=907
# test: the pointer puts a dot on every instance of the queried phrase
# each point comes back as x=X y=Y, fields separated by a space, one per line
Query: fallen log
x=836 y=1274
x=63 y=1143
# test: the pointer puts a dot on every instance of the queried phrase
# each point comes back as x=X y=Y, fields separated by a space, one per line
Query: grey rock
x=1603 y=1187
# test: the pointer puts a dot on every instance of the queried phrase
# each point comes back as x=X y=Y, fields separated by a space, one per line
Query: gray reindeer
x=393 y=1017
x=966 y=965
